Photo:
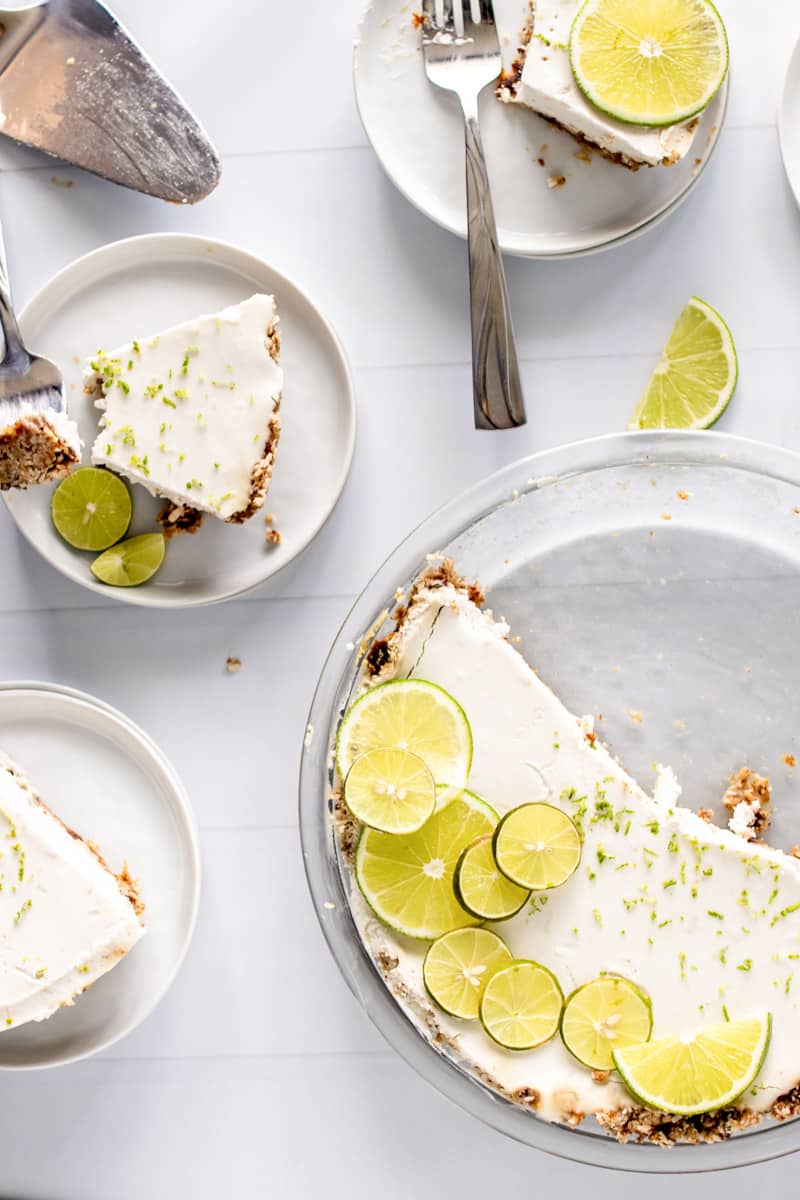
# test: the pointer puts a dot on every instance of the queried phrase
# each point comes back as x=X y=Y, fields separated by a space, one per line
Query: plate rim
x=182 y=807
x=327 y=893
x=144 y=597
x=791 y=171
x=629 y=235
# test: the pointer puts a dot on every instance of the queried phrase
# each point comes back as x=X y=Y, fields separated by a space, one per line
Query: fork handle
x=13 y=348
x=497 y=391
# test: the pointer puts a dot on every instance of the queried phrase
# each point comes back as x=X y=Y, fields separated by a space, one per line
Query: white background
x=258 y=1075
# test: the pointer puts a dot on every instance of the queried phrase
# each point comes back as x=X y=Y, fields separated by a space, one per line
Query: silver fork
x=25 y=379
x=462 y=55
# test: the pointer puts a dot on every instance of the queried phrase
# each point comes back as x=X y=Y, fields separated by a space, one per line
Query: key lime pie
x=191 y=413
x=627 y=78
x=580 y=946
x=66 y=918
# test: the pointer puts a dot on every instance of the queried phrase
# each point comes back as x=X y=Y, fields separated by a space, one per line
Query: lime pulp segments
x=656 y=63
x=91 y=509
x=413 y=715
x=390 y=789
x=132 y=562
x=695 y=376
x=694 y=1075
x=606 y=1014
x=458 y=966
x=407 y=879
x=521 y=1005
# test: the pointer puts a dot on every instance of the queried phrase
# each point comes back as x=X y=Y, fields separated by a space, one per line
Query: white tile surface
x=258 y=1067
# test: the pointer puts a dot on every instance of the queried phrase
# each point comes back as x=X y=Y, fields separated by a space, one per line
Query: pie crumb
x=682 y=495
x=748 y=800
x=233 y=665
x=636 y=716
x=273 y=537
x=790 y=760
x=706 y=814
x=556 y=181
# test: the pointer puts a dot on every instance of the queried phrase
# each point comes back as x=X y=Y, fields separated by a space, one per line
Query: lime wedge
x=698 y=1074
x=91 y=509
x=457 y=967
x=481 y=888
x=604 y=1015
x=521 y=1005
x=416 y=716
x=537 y=846
x=407 y=879
x=657 y=63
x=390 y=789
x=695 y=377
x=131 y=562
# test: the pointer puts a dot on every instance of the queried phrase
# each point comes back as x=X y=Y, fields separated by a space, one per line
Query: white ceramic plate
x=112 y=784
x=789 y=122
x=141 y=285
x=417 y=132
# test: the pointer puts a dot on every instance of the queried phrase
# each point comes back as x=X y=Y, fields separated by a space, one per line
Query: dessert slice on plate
x=597 y=880
x=37 y=447
x=66 y=918
x=544 y=79
x=192 y=413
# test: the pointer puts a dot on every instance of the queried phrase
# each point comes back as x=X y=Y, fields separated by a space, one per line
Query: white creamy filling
x=548 y=86
x=706 y=923
x=187 y=411
x=63 y=920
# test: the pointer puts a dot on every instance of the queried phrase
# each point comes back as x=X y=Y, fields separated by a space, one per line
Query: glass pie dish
x=648 y=574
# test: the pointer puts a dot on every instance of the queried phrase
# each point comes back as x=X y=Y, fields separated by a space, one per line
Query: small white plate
x=417 y=132
x=141 y=285
x=107 y=780
x=789 y=122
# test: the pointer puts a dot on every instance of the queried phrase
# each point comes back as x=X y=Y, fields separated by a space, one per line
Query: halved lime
x=390 y=789
x=458 y=966
x=537 y=846
x=413 y=715
x=696 y=375
x=657 y=63
x=606 y=1014
x=481 y=888
x=91 y=509
x=521 y=1005
x=698 y=1073
x=407 y=879
x=131 y=562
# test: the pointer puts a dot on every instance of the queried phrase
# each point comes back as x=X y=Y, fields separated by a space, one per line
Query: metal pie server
x=74 y=84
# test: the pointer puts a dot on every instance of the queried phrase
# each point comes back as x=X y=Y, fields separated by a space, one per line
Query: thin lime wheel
x=131 y=563
x=700 y=1073
x=390 y=789
x=606 y=1014
x=657 y=63
x=695 y=376
x=481 y=888
x=414 y=715
x=407 y=879
x=537 y=846
x=91 y=509
x=458 y=966
x=521 y=1005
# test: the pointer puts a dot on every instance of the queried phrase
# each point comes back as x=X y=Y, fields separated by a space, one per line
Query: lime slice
x=483 y=890
x=657 y=63
x=91 y=509
x=407 y=879
x=607 y=1014
x=416 y=716
x=695 y=377
x=458 y=966
x=390 y=789
x=537 y=846
x=689 y=1075
x=131 y=562
x=521 y=1005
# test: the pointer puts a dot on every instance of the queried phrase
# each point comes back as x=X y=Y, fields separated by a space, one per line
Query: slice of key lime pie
x=66 y=918
x=192 y=413
x=581 y=946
